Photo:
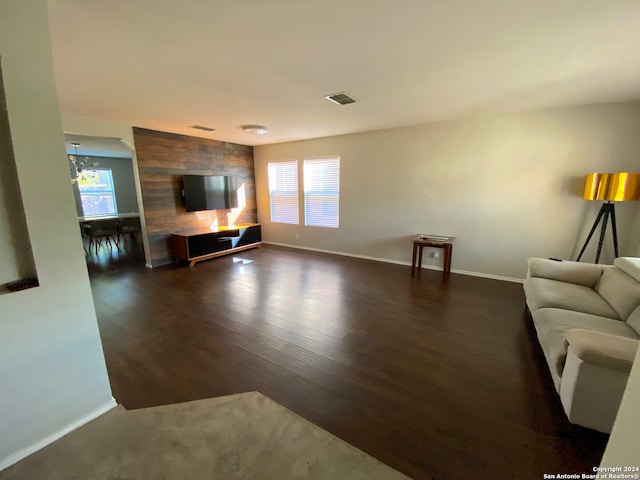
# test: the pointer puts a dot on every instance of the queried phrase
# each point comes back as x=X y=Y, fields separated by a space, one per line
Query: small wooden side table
x=419 y=244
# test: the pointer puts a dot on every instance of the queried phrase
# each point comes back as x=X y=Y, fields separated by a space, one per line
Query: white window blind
x=283 y=192
x=322 y=192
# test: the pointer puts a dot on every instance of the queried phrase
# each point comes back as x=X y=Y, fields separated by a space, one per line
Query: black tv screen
x=209 y=192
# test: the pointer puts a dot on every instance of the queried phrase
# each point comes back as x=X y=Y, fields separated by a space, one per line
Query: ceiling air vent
x=200 y=127
x=342 y=98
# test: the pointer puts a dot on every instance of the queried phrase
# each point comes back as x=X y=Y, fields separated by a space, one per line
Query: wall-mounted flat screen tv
x=209 y=192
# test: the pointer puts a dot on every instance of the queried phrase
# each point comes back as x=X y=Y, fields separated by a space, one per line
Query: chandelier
x=79 y=166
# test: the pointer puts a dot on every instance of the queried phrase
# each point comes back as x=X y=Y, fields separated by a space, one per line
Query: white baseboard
x=25 y=452
x=400 y=262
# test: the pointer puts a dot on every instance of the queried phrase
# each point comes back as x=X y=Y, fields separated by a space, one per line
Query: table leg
x=413 y=260
x=421 y=248
x=448 y=250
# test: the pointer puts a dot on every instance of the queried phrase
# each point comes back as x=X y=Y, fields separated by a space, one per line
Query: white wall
x=508 y=187
x=623 y=449
x=16 y=260
x=52 y=369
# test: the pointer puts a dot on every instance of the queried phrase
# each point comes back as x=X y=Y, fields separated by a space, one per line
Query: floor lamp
x=610 y=187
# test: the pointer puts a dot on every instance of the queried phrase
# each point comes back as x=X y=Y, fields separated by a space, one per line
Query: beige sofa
x=587 y=318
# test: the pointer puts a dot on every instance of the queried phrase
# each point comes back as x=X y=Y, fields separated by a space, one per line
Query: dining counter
x=119 y=216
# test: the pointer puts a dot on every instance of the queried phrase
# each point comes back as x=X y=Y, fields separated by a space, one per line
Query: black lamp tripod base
x=607 y=210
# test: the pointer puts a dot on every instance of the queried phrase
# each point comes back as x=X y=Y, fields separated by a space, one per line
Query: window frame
x=96 y=192
x=321 y=214
x=281 y=202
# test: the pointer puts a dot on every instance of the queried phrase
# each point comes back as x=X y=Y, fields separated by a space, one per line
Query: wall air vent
x=341 y=98
x=200 y=127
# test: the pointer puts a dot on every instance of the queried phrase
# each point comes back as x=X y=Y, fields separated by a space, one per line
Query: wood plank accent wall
x=163 y=158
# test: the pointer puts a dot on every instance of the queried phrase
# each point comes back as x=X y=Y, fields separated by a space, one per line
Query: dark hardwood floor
x=440 y=381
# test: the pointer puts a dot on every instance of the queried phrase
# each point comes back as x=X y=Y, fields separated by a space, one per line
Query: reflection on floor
x=127 y=254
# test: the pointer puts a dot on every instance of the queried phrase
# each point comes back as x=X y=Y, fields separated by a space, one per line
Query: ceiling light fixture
x=254 y=129
x=78 y=172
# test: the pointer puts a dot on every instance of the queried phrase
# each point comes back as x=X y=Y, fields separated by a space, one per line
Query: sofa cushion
x=585 y=274
x=634 y=320
x=629 y=265
x=552 y=323
x=620 y=290
x=545 y=293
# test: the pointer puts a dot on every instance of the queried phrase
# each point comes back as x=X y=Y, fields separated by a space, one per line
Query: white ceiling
x=96 y=146
x=167 y=64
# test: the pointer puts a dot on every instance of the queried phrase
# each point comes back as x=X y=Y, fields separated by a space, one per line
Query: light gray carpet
x=240 y=437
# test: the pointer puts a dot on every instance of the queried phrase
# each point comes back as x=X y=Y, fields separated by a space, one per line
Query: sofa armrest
x=603 y=349
x=585 y=274
x=594 y=377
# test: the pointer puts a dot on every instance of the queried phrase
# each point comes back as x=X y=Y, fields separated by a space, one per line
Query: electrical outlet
x=297 y=236
x=434 y=254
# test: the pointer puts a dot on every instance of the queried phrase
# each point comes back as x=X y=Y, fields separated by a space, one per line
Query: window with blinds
x=322 y=192
x=97 y=192
x=283 y=192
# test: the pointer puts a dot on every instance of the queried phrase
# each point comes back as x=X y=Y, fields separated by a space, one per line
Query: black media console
x=194 y=247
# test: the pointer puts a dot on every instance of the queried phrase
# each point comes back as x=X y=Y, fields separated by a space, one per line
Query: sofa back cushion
x=620 y=290
x=585 y=274
x=634 y=320
x=629 y=265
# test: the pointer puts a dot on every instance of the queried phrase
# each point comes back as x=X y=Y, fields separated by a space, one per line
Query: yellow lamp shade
x=613 y=187
x=624 y=187
x=595 y=186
